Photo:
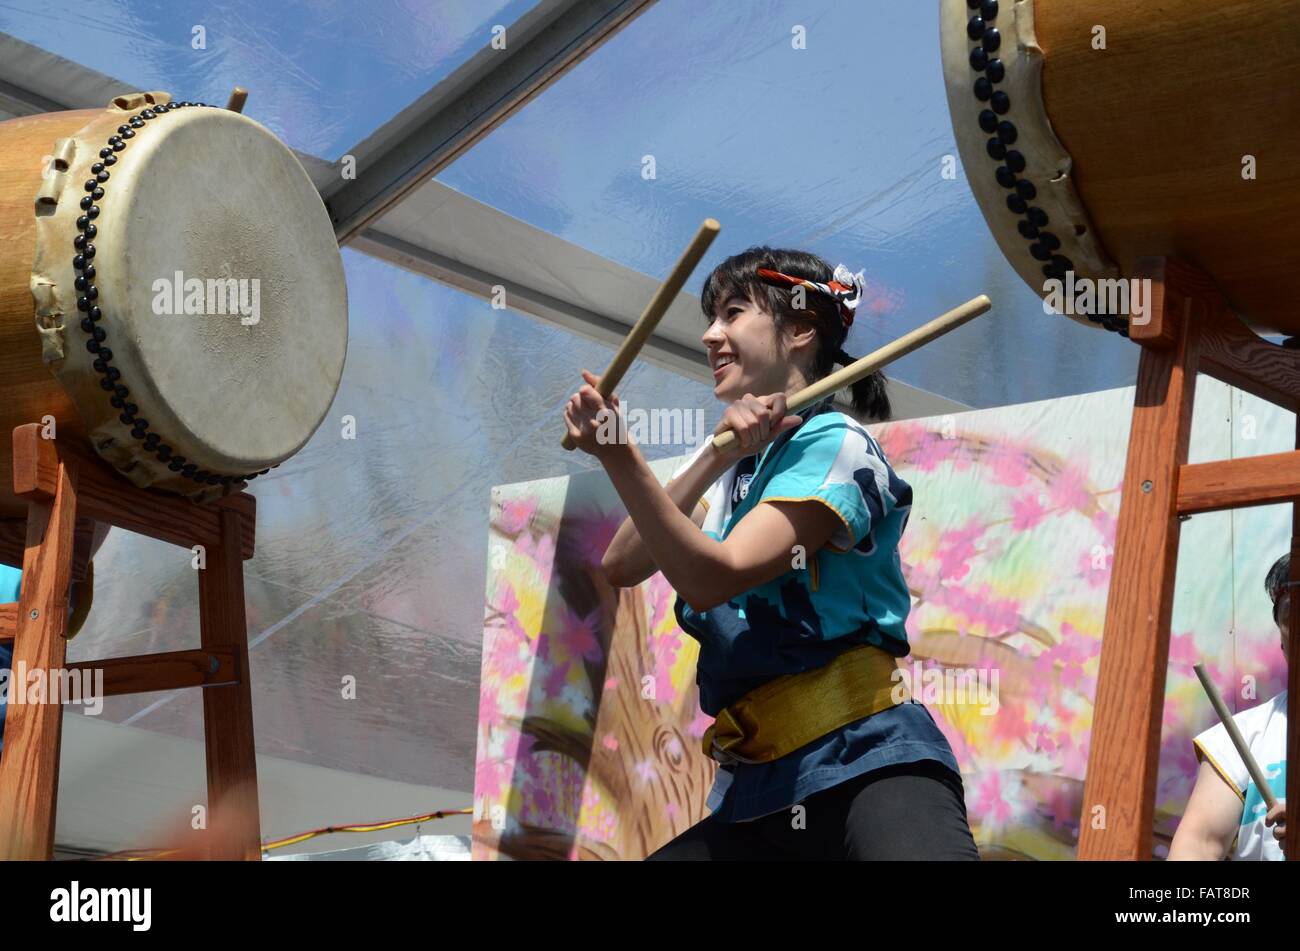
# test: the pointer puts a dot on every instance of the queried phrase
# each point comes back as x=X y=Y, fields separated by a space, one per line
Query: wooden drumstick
x=874 y=361
x=654 y=312
x=1225 y=717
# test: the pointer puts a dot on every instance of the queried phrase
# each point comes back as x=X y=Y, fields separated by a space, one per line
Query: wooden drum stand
x=62 y=485
x=1192 y=330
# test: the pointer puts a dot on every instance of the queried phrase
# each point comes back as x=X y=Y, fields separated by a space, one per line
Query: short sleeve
x=831 y=460
x=1215 y=747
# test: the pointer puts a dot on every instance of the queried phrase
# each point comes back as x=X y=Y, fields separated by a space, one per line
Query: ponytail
x=870 y=398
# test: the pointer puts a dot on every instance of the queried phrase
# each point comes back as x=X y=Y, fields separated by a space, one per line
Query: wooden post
x=1191 y=331
x=228 y=710
x=29 y=768
x=1120 y=787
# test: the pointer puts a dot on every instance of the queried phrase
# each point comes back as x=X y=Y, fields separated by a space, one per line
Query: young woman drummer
x=783 y=553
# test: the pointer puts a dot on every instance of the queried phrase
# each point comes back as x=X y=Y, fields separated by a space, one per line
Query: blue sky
x=835 y=148
x=321 y=75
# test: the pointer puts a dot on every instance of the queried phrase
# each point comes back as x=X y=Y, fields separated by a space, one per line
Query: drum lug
x=140 y=100
x=49 y=320
x=47 y=199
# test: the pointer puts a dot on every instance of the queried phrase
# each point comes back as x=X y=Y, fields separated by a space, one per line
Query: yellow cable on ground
x=138 y=855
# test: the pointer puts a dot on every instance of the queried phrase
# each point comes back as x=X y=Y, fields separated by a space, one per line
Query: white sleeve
x=1254 y=725
x=705 y=446
x=715 y=495
x=1215 y=746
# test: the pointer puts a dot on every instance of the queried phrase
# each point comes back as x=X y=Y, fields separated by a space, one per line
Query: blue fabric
x=851 y=592
x=10 y=578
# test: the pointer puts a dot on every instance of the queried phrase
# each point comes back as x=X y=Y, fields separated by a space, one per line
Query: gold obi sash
x=792 y=711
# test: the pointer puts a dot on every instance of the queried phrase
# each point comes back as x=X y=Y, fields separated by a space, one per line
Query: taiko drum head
x=189 y=293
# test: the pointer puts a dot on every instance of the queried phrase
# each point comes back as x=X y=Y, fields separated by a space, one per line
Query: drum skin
x=1156 y=129
x=173 y=389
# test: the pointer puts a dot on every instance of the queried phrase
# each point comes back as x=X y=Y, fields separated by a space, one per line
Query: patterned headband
x=845 y=287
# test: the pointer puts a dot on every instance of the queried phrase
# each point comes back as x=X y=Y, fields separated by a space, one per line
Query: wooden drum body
x=1180 y=137
x=178 y=301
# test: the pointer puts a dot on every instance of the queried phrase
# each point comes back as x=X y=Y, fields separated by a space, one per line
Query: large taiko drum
x=171 y=291
x=1095 y=133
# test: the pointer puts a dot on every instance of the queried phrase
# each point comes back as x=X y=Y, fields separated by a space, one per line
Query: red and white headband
x=844 y=286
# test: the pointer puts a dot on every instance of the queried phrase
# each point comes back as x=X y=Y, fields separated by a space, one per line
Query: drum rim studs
x=97 y=335
x=1043 y=245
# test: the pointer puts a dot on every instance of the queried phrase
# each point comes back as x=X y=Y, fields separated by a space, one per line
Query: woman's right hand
x=756 y=421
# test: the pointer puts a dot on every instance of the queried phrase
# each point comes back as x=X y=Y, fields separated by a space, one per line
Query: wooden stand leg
x=59 y=483
x=29 y=767
x=1119 y=792
x=228 y=710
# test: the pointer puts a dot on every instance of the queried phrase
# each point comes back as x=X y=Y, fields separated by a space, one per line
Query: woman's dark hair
x=1276 y=582
x=738 y=276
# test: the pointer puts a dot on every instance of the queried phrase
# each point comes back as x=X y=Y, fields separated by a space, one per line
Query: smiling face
x=748 y=355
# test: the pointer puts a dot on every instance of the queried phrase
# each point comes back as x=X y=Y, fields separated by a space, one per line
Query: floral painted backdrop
x=589 y=726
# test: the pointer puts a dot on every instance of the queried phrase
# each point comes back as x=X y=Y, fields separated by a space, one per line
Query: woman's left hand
x=587 y=418
x=1277 y=819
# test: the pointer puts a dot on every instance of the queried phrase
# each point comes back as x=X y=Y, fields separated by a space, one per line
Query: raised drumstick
x=874 y=361
x=654 y=312
x=1225 y=717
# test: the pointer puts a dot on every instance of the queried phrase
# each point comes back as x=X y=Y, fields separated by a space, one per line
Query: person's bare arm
x=704 y=571
x=662 y=510
x=627 y=561
x=1211 y=820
